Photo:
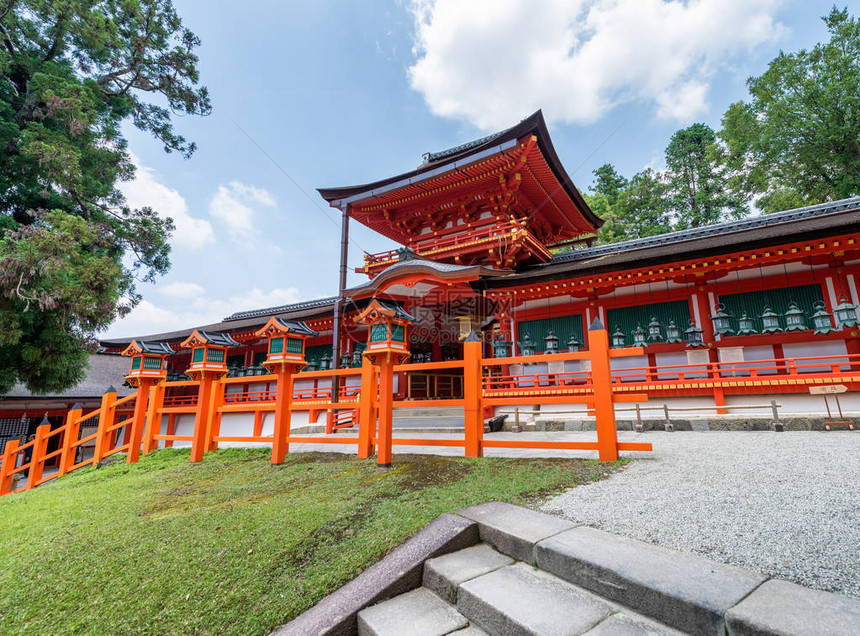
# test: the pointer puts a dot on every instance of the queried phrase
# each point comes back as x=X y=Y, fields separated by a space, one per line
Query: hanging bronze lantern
x=846 y=313
x=722 y=321
x=822 y=321
x=746 y=325
x=551 y=342
x=770 y=321
x=638 y=336
x=673 y=333
x=573 y=344
x=356 y=358
x=794 y=319
x=654 y=330
x=325 y=362
x=345 y=360
x=619 y=340
x=694 y=335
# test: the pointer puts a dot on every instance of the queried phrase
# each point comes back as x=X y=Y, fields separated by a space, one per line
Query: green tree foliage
x=797 y=140
x=698 y=181
x=71 y=71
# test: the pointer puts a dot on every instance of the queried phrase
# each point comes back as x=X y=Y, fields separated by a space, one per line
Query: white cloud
x=146 y=190
x=492 y=62
x=147 y=318
x=181 y=289
x=232 y=204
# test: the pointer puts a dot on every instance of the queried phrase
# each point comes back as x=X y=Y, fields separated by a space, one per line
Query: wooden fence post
x=199 y=437
x=37 y=456
x=106 y=417
x=70 y=436
x=601 y=379
x=366 y=415
x=472 y=390
x=153 y=418
x=10 y=454
x=213 y=428
x=283 y=404
x=138 y=420
x=386 y=400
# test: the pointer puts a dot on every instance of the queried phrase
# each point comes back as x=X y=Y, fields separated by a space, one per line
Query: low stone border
x=399 y=572
x=681 y=590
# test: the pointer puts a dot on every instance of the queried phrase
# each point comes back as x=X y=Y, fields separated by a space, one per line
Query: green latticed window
x=398 y=333
x=754 y=303
x=627 y=318
x=215 y=355
x=294 y=345
x=276 y=345
x=562 y=327
x=152 y=363
x=378 y=333
x=135 y=363
x=198 y=354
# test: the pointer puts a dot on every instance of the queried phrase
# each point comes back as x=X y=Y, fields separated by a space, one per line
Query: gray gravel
x=784 y=504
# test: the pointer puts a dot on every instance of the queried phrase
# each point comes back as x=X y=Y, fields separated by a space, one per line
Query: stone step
x=444 y=574
x=682 y=590
x=419 y=612
x=428 y=411
x=520 y=599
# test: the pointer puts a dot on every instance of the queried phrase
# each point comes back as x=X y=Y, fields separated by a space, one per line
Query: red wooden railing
x=487 y=383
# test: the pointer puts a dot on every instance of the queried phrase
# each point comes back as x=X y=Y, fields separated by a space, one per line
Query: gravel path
x=784 y=504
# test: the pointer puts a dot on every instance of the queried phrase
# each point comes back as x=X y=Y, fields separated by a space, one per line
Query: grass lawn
x=232 y=544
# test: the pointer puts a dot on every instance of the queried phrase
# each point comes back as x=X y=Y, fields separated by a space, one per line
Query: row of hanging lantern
x=795 y=319
x=654 y=333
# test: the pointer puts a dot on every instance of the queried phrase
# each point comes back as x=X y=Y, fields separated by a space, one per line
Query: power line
x=295 y=183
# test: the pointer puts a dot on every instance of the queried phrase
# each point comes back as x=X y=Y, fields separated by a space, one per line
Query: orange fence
x=75 y=449
x=135 y=424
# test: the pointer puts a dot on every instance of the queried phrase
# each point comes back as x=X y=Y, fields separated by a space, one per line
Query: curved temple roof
x=456 y=160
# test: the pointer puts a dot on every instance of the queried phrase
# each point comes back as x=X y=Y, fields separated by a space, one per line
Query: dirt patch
x=416 y=472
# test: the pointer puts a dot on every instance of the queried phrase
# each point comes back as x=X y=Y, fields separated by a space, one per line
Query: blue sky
x=341 y=93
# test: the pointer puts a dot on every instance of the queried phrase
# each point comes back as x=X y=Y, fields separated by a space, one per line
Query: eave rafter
x=689 y=272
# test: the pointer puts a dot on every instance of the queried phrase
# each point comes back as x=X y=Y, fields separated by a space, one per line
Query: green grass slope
x=232 y=544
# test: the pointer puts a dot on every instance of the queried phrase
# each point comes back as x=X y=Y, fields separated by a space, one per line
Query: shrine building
x=497 y=240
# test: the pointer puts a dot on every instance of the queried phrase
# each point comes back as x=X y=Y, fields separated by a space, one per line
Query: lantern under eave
x=387 y=340
x=286 y=347
x=148 y=361
x=208 y=353
x=821 y=320
x=846 y=313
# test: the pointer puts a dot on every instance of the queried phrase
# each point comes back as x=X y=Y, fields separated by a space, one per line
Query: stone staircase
x=501 y=569
x=435 y=419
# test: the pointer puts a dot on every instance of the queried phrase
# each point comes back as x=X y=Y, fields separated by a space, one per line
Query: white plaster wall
x=629 y=362
x=671 y=359
x=817 y=349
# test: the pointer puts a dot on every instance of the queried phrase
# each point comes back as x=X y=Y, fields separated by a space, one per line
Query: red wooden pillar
x=70 y=436
x=472 y=394
x=171 y=429
x=106 y=419
x=386 y=398
x=214 y=425
x=37 y=457
x=199 y=437
x=153 y=418
x=10 y=454
x=283 y=403
x=366 y=410
x=258 y=423
x=138 y=420
x=601 y=378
